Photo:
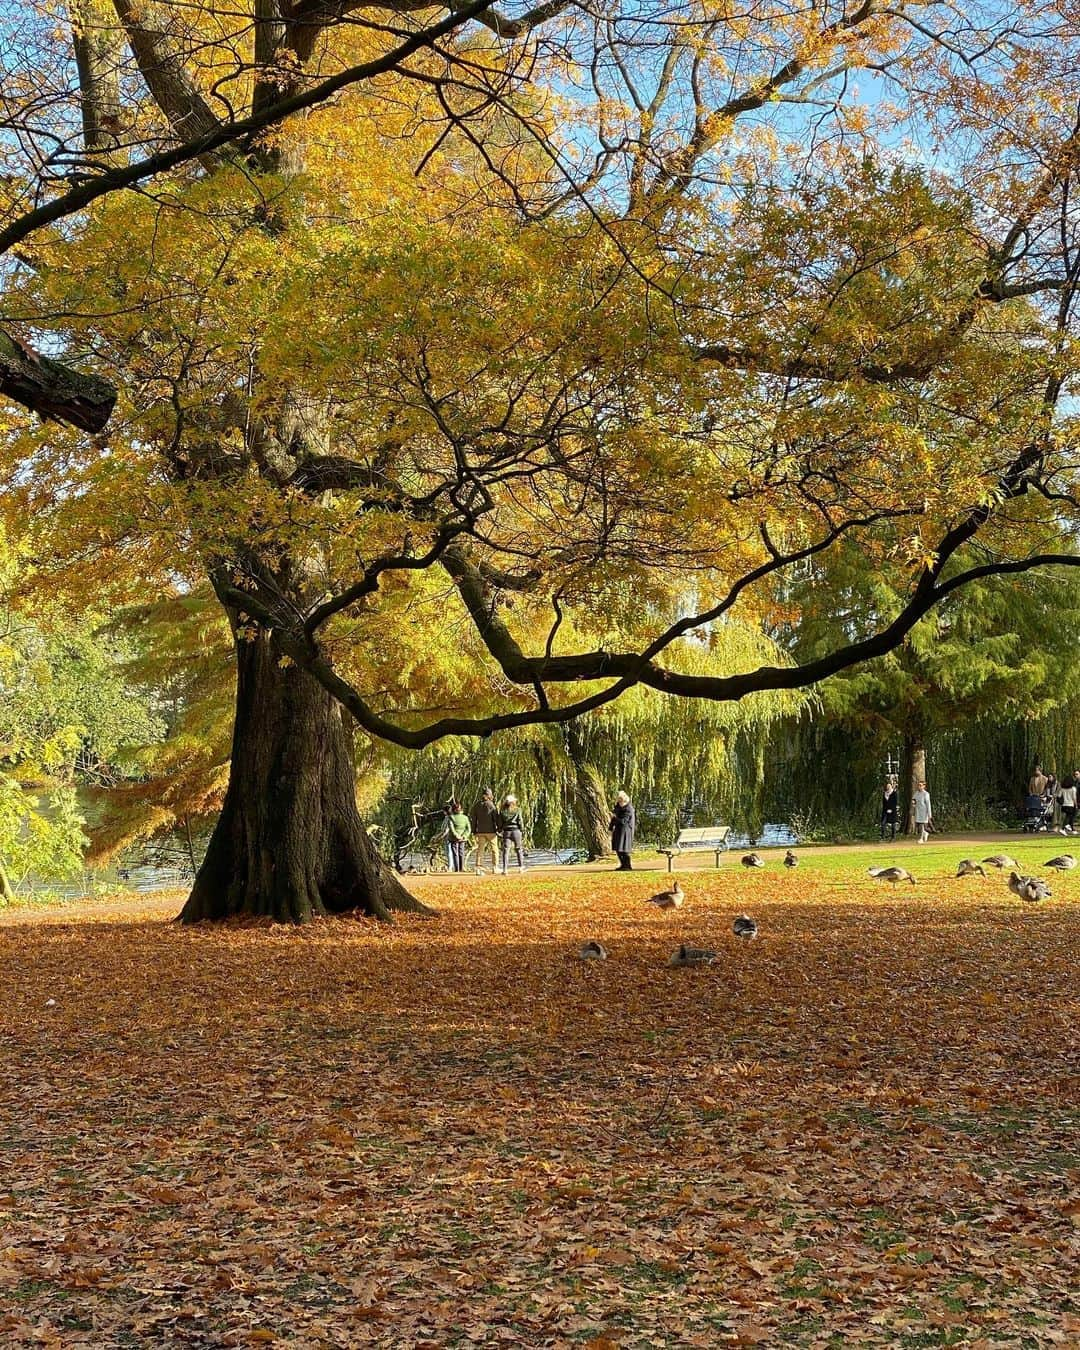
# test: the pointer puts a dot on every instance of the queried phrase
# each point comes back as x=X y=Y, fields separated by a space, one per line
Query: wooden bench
x=689 y=841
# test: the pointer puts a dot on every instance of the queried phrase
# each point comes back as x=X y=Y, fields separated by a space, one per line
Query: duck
x=744 y=927
x=672 y=898
x=790 y=860
x=892 y=874
x=1029 y=888
x=969 y=868
x=1001 y=861
x=691 y=956
x=592 y=951
x=1064 y=862
x=752 y=860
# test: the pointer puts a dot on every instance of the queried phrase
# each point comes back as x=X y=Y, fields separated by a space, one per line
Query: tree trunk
x=915 y=760
x=587 y=797
x=7 y=895
x=289 y=842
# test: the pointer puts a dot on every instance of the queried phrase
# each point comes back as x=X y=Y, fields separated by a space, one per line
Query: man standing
x=485 y=828
x=924 y=815
x=512 y=829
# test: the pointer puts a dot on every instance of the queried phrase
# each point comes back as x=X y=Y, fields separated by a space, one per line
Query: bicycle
x=433 y=857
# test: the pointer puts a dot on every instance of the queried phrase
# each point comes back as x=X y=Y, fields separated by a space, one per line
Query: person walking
x=459 y=832
x=622 y=826
x=1050 y=797
x=1037 y=781
x=485 y=829
x=511 y=831
x=924 y=813
x=890 y=806
x=1070 y=790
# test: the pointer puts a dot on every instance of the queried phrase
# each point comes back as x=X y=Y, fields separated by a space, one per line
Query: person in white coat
x=924 y=813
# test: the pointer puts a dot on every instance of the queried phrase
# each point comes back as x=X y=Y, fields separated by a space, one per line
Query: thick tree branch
x=246 y=128
x=53 y=390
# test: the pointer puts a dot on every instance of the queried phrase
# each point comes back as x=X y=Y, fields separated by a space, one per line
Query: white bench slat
x=717 y=833
x=712 y=837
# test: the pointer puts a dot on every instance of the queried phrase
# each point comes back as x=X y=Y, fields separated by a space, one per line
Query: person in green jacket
x=459 y=832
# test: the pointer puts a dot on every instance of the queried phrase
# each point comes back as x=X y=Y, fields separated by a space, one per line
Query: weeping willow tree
x=969 y=698
x=680 y=759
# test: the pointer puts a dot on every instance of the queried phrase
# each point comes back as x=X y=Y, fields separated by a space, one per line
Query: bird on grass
x=672 y=898
x=752 y=860
x=593 y=951
x=790 y=860
x=891 y=874
x=1001 y=861
x=744 y=927
x=1031 y=889
x=691 y=956
x=969 y=868
x=1064 y=862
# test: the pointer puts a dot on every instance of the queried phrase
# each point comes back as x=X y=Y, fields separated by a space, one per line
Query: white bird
x=893 y=874
x=752 y=860
x=669 y=899
x=691 y=956
x=1029 y=888
x=593 y=951
x=744 y=927
x=1001 y=861
x=969 y=868
x=1064 y=862
x=790 y=860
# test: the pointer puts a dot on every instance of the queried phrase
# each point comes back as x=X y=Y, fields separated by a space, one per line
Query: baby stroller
x=1038 y=814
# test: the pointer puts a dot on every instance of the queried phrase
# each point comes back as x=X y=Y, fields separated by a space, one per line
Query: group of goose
x=756 y=860
x=743 y=927
x=1026 y=888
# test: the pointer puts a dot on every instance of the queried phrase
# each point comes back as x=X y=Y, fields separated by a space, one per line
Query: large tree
x=562 y=324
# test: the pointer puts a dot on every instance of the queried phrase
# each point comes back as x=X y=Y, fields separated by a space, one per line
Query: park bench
x=689 y=841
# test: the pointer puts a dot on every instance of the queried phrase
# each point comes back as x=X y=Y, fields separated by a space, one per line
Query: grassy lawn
x=860 y=1129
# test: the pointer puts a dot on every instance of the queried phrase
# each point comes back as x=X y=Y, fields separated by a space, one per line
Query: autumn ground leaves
x=860 y=1129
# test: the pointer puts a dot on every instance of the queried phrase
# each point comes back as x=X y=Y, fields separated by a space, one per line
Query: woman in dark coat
x=890 y=807
x=622 y=826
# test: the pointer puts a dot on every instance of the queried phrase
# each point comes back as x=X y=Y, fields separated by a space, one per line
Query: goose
x=893 y=874
x=752 y=860
x=592 y=951
x=790 y=860
x=969 y=868
x=669 y=899
x=1064 y=862
x=1001 y=861
x=1029 y=888
x=744 y=927
x=691 y=956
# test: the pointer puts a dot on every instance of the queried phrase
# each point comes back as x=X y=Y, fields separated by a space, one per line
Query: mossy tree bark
x=588 y=798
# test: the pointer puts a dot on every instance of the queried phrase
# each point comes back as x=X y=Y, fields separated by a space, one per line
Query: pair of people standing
x=922 y=809
x=493 y=825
